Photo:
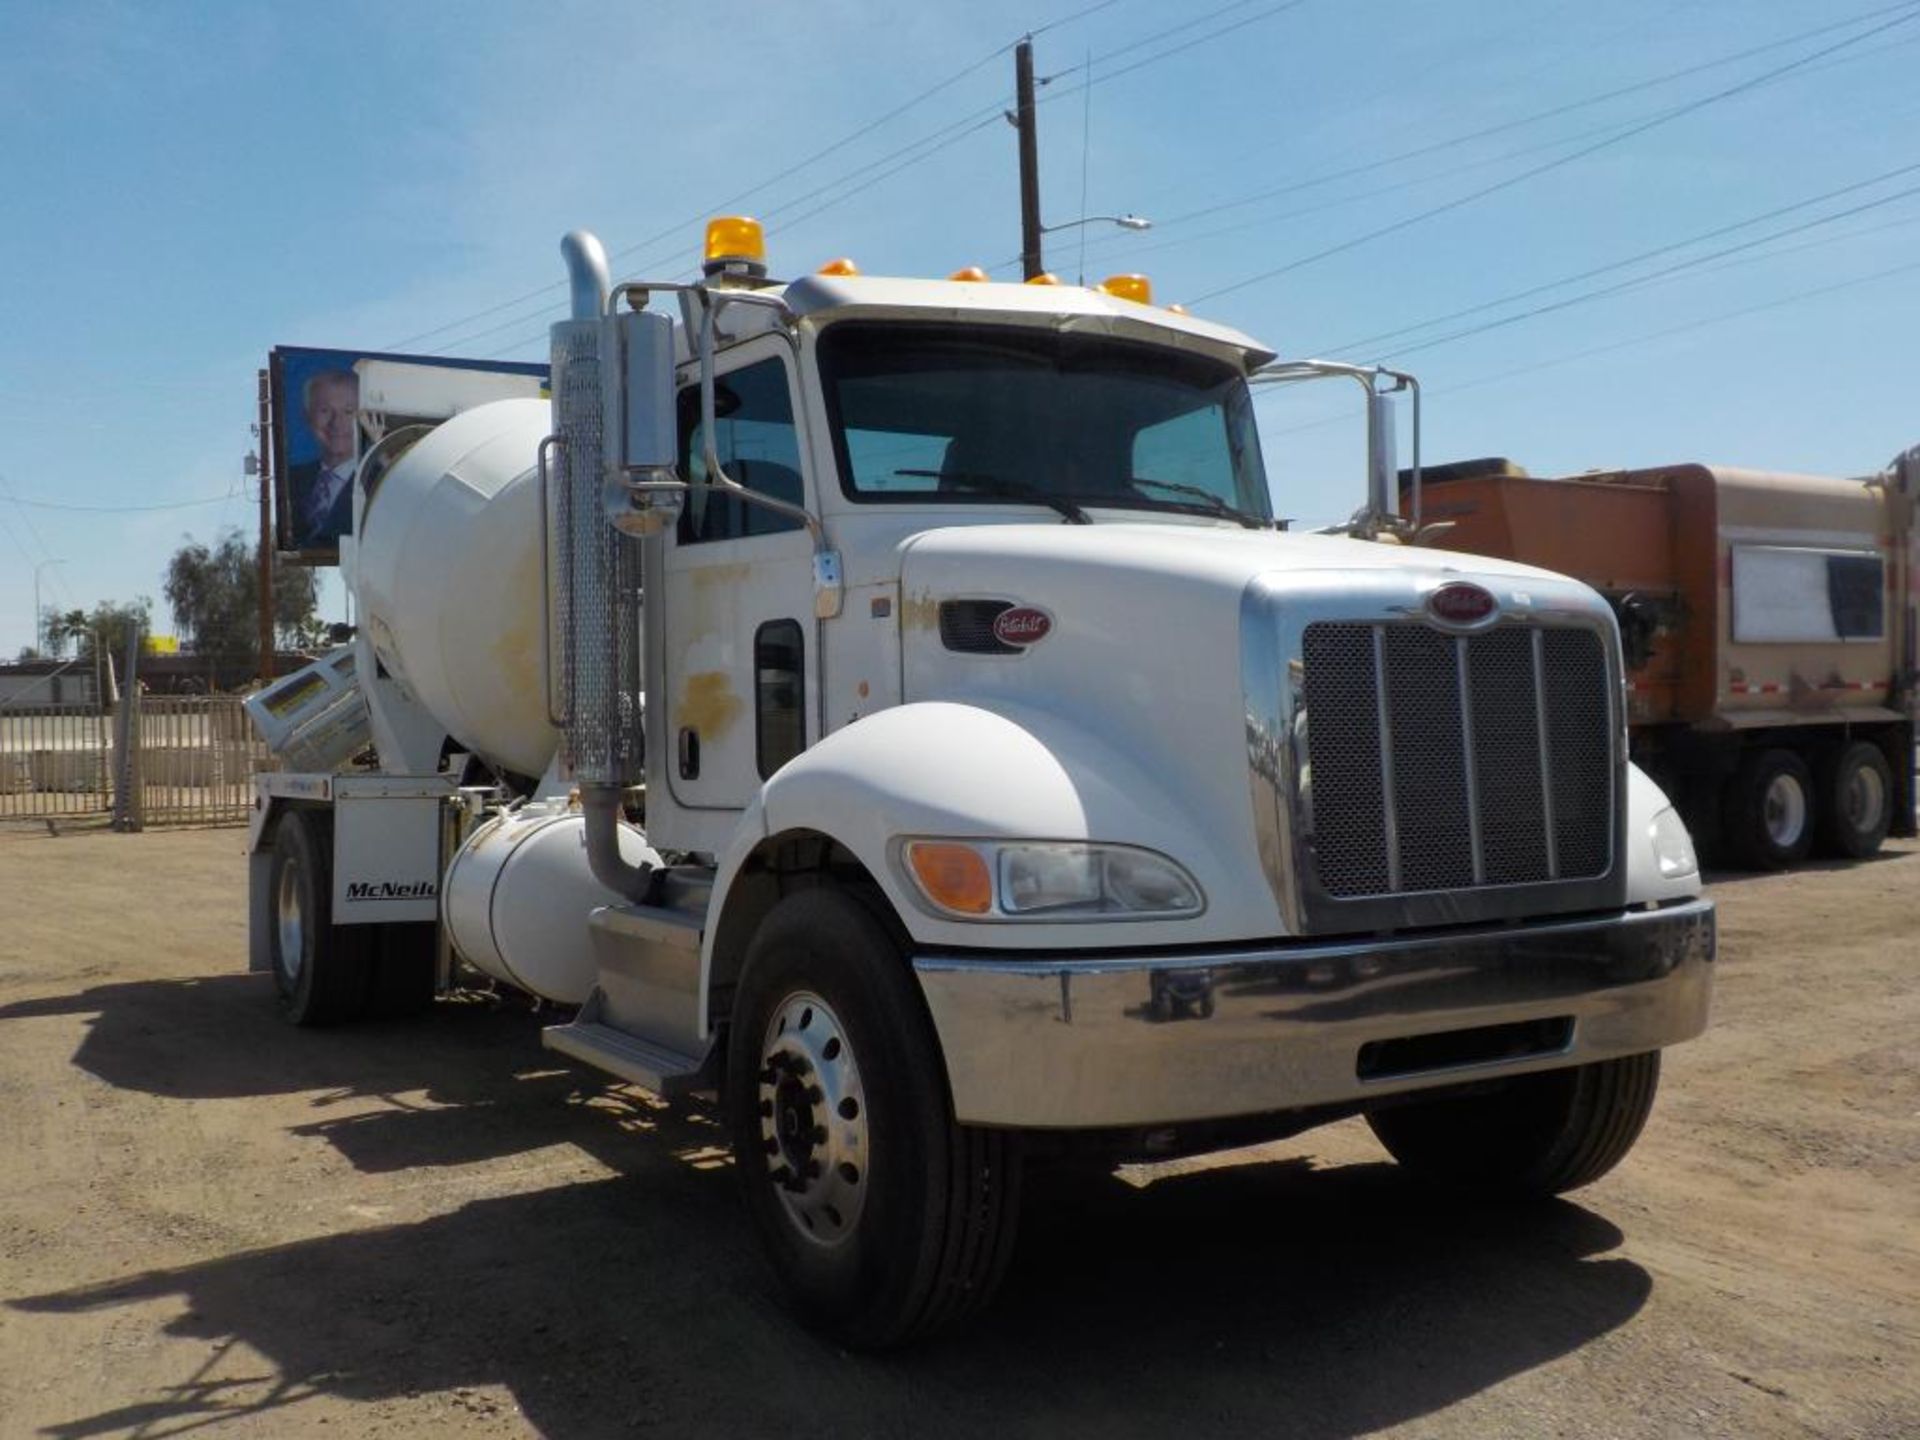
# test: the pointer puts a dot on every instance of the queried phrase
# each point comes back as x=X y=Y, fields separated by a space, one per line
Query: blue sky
x=188 y=185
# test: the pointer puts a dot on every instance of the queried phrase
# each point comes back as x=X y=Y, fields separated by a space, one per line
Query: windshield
x=990 y=414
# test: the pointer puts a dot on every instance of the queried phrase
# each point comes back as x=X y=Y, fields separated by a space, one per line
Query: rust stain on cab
x=707 y=705
x=920 y=612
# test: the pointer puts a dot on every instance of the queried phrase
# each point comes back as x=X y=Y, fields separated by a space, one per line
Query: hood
x=1137 y=643
x=1078 y=563
x=1147 y=616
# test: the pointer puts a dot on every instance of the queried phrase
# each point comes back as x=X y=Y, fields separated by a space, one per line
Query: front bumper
x=1069 y=1041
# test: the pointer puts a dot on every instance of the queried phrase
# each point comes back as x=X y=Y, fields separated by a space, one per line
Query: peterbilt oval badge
x=1022 y=626
x=1460 y=603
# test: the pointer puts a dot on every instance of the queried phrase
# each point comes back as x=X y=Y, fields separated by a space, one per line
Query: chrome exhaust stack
x=594 y=631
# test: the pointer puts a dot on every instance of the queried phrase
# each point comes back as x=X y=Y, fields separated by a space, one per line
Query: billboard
x=320 y=429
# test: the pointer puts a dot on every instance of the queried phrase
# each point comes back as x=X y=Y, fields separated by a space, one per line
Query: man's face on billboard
x=330 y=415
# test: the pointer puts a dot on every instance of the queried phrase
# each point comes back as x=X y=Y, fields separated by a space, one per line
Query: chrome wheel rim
x=290 y=923
x=1865 y=800
x=1785 y=811
x=813 y=1119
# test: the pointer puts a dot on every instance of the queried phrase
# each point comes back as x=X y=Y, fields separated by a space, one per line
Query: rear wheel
x=319 y=972
x=885 y=1220
x=1770 y=810
x=1537 y=1135
x=1856 y=801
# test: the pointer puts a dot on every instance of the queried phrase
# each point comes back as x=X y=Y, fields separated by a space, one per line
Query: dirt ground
x=208 y=1220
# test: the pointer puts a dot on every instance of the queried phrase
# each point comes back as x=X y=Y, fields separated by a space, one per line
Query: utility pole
x=39 y=624
x=265 y=470
x=1030 y=264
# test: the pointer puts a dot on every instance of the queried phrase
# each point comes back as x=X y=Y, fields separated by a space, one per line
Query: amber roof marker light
x=735 y=245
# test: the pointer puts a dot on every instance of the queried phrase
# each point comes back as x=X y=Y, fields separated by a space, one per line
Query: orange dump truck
x=1768 y=627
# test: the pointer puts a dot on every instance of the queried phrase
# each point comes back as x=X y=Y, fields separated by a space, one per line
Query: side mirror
x=1383 y=466
x=641 y=493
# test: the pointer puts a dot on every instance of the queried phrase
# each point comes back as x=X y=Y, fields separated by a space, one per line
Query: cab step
x=669 y=1074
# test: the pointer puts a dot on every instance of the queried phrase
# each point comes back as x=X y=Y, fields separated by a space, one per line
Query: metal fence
x=192 y=762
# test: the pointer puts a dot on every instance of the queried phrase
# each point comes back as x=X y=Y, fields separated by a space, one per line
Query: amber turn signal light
x=954 y=877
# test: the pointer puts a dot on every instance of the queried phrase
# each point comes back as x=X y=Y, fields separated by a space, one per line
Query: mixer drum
x=449 y=578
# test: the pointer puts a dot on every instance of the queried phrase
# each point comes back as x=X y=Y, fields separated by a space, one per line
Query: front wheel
x=1536 y=1135
x=884 y=1219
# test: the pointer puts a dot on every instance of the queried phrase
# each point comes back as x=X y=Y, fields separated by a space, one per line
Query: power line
x=922 y=152
x=1612 y=347
x=1606 y=290
x=46 y=550
x=1122 y=246
x=1156 y=58
x=1642 y=128
x=1119 y=245
x=785 y=173
x=1434 y=147
x=1689 y=327
x=1644 y=255
x=1067 y=20
x=118 y=509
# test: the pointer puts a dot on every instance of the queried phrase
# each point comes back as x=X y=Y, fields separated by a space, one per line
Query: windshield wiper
x=1206 y=498
x=1010 y=489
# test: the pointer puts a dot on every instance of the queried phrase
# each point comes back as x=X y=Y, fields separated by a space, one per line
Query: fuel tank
x=517 y=897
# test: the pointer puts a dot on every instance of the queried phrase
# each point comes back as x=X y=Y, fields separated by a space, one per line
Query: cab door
x=739 y=635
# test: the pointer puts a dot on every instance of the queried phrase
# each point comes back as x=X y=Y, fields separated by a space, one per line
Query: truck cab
x=954 y=765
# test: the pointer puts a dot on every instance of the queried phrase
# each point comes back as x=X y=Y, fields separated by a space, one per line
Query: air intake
x=966 y=627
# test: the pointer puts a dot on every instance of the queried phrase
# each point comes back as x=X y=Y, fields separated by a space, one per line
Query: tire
x=319 y=972
x=1856 y=801
x=1770 y=811
x=1537 y=1135
x=885 y=1221
x=404 y=969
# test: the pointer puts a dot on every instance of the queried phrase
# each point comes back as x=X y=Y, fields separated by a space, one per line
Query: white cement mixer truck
x=887 y=709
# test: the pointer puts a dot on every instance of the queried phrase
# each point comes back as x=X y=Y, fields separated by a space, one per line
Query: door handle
x=689 y=753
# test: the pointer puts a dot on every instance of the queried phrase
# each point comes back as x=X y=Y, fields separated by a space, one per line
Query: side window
x=779 y=695
x=755 y=439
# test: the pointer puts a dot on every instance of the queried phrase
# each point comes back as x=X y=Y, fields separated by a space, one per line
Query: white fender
x=943 y=769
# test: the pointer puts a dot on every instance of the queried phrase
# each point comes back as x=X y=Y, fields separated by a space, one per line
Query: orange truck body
x=1756 y=608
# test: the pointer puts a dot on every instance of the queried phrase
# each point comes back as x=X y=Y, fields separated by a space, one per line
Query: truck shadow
x=1328 y=1301
x=468 y=1081
x=1717 y=875
x=1342 y=1300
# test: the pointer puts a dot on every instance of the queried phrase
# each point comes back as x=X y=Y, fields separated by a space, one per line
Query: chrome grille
x=1448 y=762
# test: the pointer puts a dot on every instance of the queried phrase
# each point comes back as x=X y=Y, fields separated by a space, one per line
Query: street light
x=39 y=626
x=1125 y=222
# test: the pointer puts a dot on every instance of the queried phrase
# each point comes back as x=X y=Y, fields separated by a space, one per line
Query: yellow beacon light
x=972 y=274
x=1129 y=287
x=1045 y=277
x=841 y=266
x=735 y=245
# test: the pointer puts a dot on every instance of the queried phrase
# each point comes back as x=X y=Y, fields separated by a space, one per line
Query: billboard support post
x=266 y=532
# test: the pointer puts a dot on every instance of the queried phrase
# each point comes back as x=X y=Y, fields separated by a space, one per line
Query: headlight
x=1672 y=846
x=1049 y=880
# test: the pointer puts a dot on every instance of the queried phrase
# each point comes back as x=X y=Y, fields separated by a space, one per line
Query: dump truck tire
x=1856 y=801
x=1770 y=810
x=884 y=1219
x=1537 y=1135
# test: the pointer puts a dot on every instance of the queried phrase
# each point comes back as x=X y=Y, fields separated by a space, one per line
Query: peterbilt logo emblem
x=1459 y=603
x=1022 y=626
